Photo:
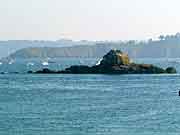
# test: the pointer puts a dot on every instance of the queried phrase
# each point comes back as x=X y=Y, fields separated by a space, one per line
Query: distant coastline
x=165 y=47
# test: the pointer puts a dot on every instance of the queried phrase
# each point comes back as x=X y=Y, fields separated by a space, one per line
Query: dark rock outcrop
x=171 y=70
x=45 y=71
x=114 y=62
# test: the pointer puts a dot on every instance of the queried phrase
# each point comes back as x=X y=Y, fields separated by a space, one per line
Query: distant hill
x=166 y=46
x=153 y=50
x=11 y=46
x=56 y=52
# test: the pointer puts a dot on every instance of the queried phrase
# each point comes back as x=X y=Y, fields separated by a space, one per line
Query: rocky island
x=114 y=62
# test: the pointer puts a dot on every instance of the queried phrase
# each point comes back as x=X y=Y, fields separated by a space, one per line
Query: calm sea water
x=90 y=104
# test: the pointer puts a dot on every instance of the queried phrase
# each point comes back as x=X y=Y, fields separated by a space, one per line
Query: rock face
x=115 y=58
x=171 y=70
x=114 y=62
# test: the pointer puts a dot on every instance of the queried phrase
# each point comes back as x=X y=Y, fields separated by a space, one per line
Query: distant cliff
x=165 y=47
x=96 y=51
x=11 y=46
x=56 y=52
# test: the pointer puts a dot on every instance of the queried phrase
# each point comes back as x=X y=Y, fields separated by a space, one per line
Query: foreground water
x=89 y=104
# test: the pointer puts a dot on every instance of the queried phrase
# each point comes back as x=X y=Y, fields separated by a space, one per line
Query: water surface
x=89 y=104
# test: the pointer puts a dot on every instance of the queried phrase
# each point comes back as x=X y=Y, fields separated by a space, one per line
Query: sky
x=88 y=19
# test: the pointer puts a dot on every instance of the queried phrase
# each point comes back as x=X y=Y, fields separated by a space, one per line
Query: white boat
x=99 y=62
x=45 y=63
x=1 y=63
x=11 y=62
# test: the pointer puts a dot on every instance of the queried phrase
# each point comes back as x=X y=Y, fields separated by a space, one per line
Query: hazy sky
x=88 y=19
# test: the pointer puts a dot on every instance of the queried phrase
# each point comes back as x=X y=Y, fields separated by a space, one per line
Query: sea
x=66 y=104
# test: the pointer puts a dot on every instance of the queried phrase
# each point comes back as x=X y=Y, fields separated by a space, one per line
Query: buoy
x=179 y=92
